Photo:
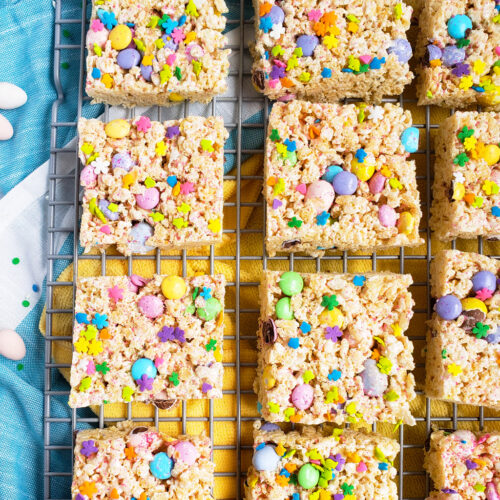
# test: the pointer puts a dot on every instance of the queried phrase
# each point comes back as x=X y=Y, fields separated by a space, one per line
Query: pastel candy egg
x=6 y=130
x=374 y=381
x=453 y=55
x=361 y=170
x=406 y=223
x=11 y=96
x=402 y=49
x=276 y=14
x=491 y=154
x=321 y=195
x=302 y=396
x=109 y=214
x=151 y=306
x=484 y=279
x=387 y=216
x=409 y=139
x=146 y=72
x=120 y=37
x=128 y=58
x=269 y=427
x=471 y=303
x=307 y=43
x=331 y=172
x=267 y=378
x=87 y=176
x=459 y=25
x=494 y=338
x=211 y=310
x=449 y=307
x=265 y=458
x=377 y=183
x=332 y=318
x=186 y=452
x=96 y=37
x=434 y=52
x=138 y=236
x=284 y=308
x=117 y=129
x=12 y=345
x=123 y=161
x=491 y=491
x=173 y=287
x=143 y=366
x=161 y=466
x=345 y=183
x=149 y=199
x=308 y=476
x=291 y=283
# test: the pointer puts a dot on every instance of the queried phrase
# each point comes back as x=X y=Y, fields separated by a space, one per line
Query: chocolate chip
x=138 y=430
x=269 y=334
x=471 y=318
x=290 y=243
x=165 y=404
x=258 y=79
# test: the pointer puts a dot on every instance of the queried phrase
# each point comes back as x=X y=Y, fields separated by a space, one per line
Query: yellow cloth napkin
x=251 y=250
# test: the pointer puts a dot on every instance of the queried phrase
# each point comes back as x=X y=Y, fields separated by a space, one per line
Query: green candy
x=308 y=476
x=284 y=308
x=210 y=311
x=291 y=283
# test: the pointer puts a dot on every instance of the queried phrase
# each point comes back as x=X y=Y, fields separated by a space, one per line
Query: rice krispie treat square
x=131 y=461
x=330 y=168
x=463 y=343
x=332 y=348
x=154 y=52
x=466 y=186
x=156 y=341
x=464 y=465
x=320 y=464
x=459 y=50
x=151 y=185
x=326 y=51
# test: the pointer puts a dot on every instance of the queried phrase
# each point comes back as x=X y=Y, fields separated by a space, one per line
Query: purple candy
x=449 y=307
x=146 y=72
x=402 y=48
x=128 y=58
x=307 y=43
x=276 y=14
x=484 y=279
x=103 y=206
x=453 y=55
x=493 y=338
x=434 y=52
x=138 y=236
x=123 y=161
x=345 y=183
x=269 y=427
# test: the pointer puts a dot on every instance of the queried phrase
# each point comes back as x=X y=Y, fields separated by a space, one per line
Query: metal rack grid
x=58 y=201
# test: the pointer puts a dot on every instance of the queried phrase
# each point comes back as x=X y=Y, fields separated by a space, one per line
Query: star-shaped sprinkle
x=480 y=330
x=334 y=375
x=179 y=222
x=184 y=208
x=108 y=19
x=172 y=132
x=88 y=448
x=143 y=124
x=266 y=24
x=81 y=345
x=161 y=147
x=461 y=69
x=206 y=293
x=115 y=293
x=88 y=489
x=145 y=383
x=206 y=145
x=127 y=393
x=333 y=333
x=461 y=159
x=322 y=218
x=102 y=368
x=359 y=280
x=314 y=15
x=100 y=320
x=329 y=301
x=295 y=222
x=95 y=347
x=454 y=369
x=174 y=378
x=305 y=327
x=484 y=294
x=211 y=345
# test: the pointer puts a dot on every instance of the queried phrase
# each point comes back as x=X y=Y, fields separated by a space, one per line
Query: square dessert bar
x=466 y=186
x=151 y=185
x=463 y=343
x=320 y=464
x=326 y=51
x=155 y=52
x=131 y=461
x=339 y=176
x=145 y=340
x=332 y=348
x=464 y=465
x=459 y=52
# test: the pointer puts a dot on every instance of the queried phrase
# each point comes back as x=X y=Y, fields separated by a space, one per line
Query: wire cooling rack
x=235 y=452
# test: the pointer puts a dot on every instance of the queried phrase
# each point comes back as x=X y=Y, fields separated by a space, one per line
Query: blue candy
x=458 y=26
x=409 y=139
x=161 y=466
x=172 y=180
x=266 y=458
x=143 y=366
x=331 y=172
x=494 y=338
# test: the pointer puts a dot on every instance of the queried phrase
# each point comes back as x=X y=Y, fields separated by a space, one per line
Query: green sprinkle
x=379 y=454
x=19 y=367
x=275 y=136
x=140 y=45
x=461 y=159
x=329 y=302
x=443 y=354
x=462 y=42
x=211 y=345
x=15 y=261
x=65 y=65
x=307 y=376
x=66 y=33
x=174 y=378
x=25 y=303
x=178 y=73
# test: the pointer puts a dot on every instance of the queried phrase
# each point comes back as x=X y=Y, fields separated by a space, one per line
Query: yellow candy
x=489 y=98
x=491 y=154
x=174 y=97
x=332 y=318
x=268 y=379
x=406 y=223
x=458 y=191
x=120 y=37
x=173 y=287
x=471 y=303
x=362 y=171
x=117 y=129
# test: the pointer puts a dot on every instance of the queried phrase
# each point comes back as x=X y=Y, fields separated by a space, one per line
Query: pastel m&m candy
x=321 y=194
x=302 y=396
x=307 y=43
x=173 y=287
x=484 y=279
x=211 y=310
x=284 y=308
x=449 y=307
x=149 y=199
x=143 y=366
x=291 y=283
x=459 y=25
x=128 y=58
x=331 y=172
x=409 y=139
x=345 y=183
x=186 y=452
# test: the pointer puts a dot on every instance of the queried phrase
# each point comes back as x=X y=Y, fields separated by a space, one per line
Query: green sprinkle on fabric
x=15 y=261
x=25 y=303
x=66 y=33
x=19 y=367
x=65 y=65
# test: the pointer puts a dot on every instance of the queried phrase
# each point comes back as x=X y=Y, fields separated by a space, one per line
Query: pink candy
x=143 y=124
x=497 y=50
x=149 y=199
x=187 y=452
x=88 y=176
x=302 y=396
x=377 y=183
x=491 y=491
x=135 y=282
x=105 y=229
x=97 y=37
x=151 y=306
x=321 y=194
x=387 y=216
